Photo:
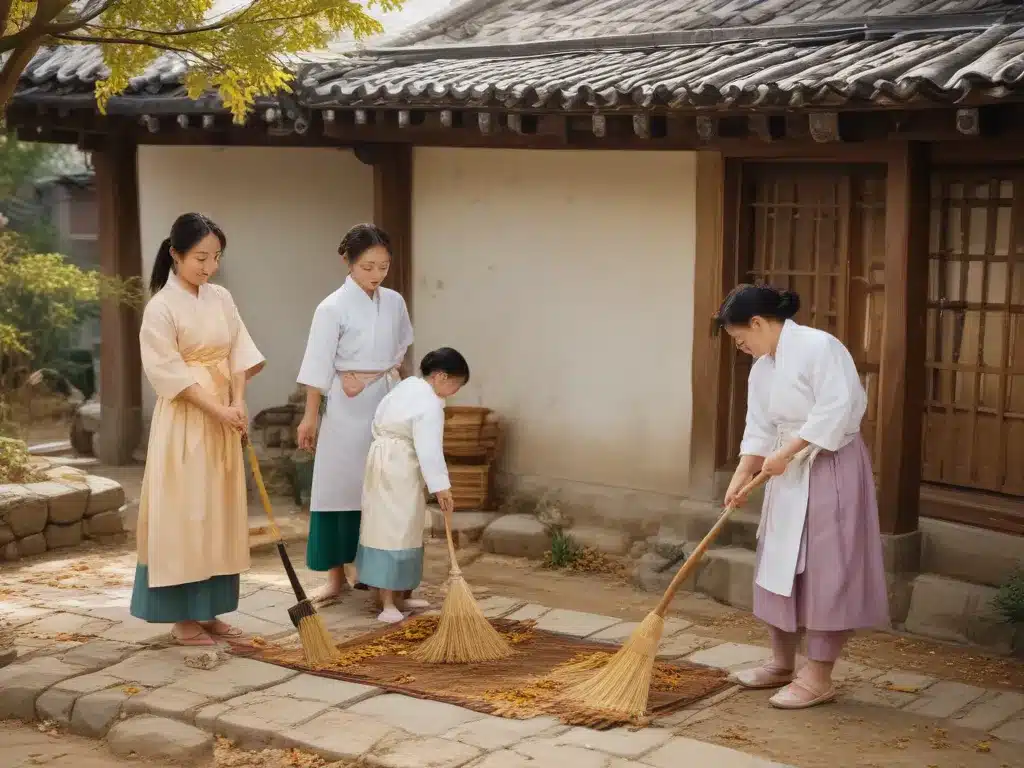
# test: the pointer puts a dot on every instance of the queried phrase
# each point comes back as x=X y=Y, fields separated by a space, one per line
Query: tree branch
x=131 y=41
x=59 y=27
x=214 y=27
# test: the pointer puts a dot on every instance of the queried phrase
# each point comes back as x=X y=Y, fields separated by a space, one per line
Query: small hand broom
x=623 y=685
x=463 y=633
x=317 y=644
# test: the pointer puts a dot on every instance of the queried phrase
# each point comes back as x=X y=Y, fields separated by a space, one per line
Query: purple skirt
x=843 y=584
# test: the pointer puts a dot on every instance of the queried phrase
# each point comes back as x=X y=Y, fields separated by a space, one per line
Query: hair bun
x=789 y=303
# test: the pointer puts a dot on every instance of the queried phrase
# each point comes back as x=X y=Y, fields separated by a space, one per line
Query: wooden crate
x=471 y=485
x=464 y=430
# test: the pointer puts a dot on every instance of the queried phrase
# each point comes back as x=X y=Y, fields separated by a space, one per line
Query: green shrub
x=564 y=550
x=1009 y=601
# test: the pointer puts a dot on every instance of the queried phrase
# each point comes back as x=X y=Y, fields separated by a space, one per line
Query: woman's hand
x=351 y=384
x=307 y=433
x=739 y=479
x=234 y=417
x=776 y=464
x=446 y=502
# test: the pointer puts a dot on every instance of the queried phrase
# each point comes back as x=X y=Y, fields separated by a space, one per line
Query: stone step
x=959 y=611
x=692 y=521
x=725 y=573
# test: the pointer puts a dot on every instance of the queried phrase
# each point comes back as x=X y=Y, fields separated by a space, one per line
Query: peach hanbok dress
x=193 y=532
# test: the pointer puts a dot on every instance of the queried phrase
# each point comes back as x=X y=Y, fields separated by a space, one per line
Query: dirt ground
x=25 y=746
x=842 y=734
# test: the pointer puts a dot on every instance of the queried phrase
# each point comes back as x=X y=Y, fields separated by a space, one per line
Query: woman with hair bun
x=819 y=566
x=193 y=532
x=407 y=453
x=357 y=342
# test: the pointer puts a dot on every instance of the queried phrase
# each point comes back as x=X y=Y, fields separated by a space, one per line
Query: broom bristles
x=463 y=633
x=316 y=641
x=623 y=685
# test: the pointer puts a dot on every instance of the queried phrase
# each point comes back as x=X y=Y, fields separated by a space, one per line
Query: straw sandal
x=201 y=639
x=766 y=676
x=795 y=696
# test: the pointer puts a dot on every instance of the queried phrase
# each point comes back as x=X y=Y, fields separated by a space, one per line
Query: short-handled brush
x=316 y=641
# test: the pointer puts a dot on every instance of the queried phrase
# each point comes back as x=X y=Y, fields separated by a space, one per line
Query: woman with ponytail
x=193 y=531
x=819 y=566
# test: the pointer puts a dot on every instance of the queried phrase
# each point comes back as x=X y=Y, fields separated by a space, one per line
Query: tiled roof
x=599 y=54
x=755 y=74
x=518 y=21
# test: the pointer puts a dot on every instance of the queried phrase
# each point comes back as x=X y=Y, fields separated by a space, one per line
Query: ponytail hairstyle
x=186 y=232
x=745 y=302
x=360 y=239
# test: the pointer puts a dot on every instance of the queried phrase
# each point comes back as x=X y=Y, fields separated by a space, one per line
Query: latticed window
x=974 y=417
x=818 y=230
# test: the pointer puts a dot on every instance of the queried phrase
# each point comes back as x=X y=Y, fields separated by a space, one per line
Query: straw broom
x=317 y=644
x=623 y=685
x=463 y=633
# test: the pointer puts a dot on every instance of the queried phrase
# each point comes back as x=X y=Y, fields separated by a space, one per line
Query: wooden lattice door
x=818 y=230
x=974 y=413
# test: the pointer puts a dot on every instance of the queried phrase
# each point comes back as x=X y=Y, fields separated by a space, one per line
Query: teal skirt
x=333 y=539
x=397 y=570
x=195 y=601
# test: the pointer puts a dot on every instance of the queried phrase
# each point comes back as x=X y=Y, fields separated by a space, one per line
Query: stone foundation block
x=518 y=536
x=63 y=536
x=158 y=738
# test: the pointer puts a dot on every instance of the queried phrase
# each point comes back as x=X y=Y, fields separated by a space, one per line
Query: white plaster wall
x=284 y=211
x=566 y=278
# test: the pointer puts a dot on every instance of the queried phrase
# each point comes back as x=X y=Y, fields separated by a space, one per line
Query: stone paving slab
x=323 y=689
x=574 y=623
x=98 y=654
x=22 y=683
x=153 y=668
x=418 y=716
x=159 y=738
x=257 y=718
x=164 y=702
x=542 y=752
x=529 y=612
x=422 y=753
x=875 y=696
x=623 y=630
x=620 y=742
x=945 y=698
x=681 y=751
x=339 y=735
x=95 y=713
x=496 y=607
x=731 y=656
x=232 y=678
x=905 y=682
x=1011 y=731
x=492 y=733
x=992 y=710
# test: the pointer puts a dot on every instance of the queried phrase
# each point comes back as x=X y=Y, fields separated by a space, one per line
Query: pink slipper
x=225 y=631
x=765 y=676
x=797 y=695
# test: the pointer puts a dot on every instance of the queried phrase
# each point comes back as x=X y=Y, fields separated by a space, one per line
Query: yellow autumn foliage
x=242 y=52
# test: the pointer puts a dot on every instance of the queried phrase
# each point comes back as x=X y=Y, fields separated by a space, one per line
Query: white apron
x=342 y=445
x=783 y=521
x=393 y=502
x=351 y=333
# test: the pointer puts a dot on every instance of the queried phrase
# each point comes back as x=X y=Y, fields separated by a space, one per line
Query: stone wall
x=60 y=512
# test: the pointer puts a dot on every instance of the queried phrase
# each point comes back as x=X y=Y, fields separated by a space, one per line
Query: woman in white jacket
x=819 y=554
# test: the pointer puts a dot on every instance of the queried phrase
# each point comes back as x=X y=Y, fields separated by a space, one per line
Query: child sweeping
x=406 y=453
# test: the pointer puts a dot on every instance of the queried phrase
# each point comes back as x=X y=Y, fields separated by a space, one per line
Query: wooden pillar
x=902 y=387
x=392 y=211
x=716 y=195
x=121 y=256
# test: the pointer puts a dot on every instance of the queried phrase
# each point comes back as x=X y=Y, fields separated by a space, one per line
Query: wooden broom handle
x=451 y=545
x=695 y=557
x=258 y=477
